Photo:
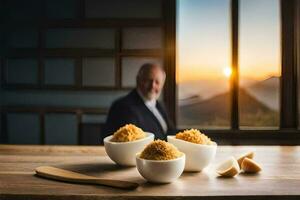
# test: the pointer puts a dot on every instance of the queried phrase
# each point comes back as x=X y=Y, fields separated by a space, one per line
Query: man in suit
x=140 y=107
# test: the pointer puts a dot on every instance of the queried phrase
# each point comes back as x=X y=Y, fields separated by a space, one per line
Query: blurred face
x=151 y=84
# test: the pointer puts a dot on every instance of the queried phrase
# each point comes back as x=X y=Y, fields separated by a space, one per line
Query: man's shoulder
x=128 y=100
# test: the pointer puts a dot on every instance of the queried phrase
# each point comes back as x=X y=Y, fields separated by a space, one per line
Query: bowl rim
x=183 y=156
x=108 y=138
x=213 y=145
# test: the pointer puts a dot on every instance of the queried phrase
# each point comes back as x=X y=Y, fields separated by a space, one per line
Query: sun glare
x=227 y=71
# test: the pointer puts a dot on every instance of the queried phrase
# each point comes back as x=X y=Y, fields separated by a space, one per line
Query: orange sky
x=204 y=44
x=198 y=72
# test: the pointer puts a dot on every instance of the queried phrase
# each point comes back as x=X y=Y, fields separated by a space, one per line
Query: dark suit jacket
x=132 y=109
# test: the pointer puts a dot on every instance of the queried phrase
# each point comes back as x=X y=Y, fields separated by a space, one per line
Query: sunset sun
x=227 y=71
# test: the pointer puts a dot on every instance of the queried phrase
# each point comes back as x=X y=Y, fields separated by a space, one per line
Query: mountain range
x=258 y=105
x=267 y=92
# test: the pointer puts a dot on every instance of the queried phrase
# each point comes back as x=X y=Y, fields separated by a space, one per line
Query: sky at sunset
x=203 y=39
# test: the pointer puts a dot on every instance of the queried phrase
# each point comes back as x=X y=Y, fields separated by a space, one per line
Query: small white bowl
x=160 y=171
x=123 y=153
x=198 y=156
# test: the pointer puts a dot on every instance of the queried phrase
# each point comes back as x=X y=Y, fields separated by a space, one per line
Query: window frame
x=288 y=132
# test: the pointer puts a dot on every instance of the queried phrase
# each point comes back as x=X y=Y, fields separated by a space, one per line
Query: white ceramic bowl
x=198 y=156
x=160 y=171
x=123 y=153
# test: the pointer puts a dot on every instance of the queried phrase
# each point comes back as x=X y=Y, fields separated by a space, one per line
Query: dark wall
x=65 y=61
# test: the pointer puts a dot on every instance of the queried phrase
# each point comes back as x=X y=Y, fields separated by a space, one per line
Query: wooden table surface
x=280 y=178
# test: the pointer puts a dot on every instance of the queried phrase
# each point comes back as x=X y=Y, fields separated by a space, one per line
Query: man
x=140 y=107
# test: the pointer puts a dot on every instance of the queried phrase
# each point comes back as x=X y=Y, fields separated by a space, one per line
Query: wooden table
x=280 y=178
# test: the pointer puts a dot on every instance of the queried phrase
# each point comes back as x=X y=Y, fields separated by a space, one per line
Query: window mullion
x=234 y=81
x=288 y=103
x=169 y=57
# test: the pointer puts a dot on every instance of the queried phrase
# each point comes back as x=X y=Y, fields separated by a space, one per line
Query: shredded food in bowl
x=194 y=136
x=160 y=150
x=128 y=133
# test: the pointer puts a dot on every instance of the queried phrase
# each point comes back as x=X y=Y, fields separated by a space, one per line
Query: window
x=203 y=46
x=259 y=47
x=259 y=64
